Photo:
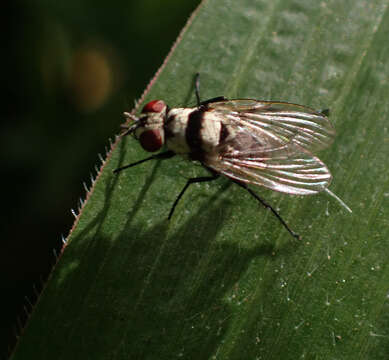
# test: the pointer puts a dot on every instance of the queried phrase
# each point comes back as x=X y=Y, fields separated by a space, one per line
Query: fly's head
x=148 y=128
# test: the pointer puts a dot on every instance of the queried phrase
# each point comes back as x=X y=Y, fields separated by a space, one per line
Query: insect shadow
x=179 y=279
x=171 y=286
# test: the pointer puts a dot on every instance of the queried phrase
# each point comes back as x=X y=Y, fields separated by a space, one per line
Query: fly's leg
x=215 y=99
x=267 y=206
x=197 y=92
x=197 y=88
x=189 y=182
x=162 y=156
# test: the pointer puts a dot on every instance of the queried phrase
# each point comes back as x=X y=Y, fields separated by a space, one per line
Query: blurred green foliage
x=69 y=70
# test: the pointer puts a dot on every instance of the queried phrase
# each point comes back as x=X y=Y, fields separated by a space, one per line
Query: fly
x=264 y=143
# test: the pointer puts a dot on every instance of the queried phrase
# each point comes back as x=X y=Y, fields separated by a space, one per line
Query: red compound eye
x=151 y=140
x=154 y=106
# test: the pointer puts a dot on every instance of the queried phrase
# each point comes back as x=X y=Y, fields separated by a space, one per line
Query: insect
x=264 y=143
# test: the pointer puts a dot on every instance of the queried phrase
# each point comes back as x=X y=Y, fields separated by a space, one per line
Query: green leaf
x=223 y=279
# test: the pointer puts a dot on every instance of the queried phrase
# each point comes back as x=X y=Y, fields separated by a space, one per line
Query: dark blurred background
x=70 y=69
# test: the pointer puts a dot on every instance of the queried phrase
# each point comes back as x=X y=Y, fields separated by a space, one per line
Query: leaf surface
x=223 y=279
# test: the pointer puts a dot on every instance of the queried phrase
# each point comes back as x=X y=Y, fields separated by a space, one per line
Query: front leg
x=162 y=156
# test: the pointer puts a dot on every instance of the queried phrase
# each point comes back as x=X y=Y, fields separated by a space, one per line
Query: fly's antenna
x=133 y=127
x=338 y=199
x=197 y=88
x=130 y=116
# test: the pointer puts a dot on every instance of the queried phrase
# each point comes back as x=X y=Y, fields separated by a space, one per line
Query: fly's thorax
x=175 y=130
x=151 y=132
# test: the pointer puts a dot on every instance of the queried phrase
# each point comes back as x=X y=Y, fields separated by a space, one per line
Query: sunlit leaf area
x=222 y=279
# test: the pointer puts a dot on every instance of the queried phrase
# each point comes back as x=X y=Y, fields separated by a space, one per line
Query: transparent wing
x=270 y=143
x=289 y=170
x=283 y=122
